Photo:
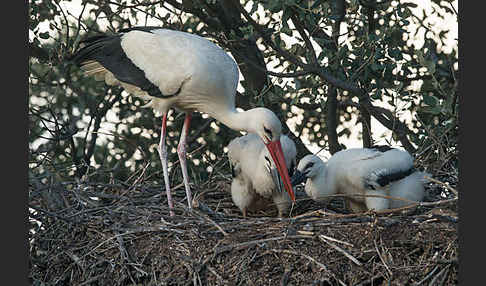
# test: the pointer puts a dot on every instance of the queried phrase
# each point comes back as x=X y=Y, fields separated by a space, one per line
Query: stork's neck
x=319 y=185
x=236 y=120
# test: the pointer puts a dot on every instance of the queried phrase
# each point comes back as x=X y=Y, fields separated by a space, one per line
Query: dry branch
x=322 y=266
x=243 y=245
x=352 y=258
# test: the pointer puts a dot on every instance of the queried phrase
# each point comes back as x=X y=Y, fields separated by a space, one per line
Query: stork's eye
x=268 y=132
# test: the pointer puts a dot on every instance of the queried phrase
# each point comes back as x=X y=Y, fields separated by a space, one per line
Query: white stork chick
x=379 y=171
x=255 y=179
x=174 y=69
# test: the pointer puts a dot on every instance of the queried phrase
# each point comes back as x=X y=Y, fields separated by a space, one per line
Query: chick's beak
x=275 y=150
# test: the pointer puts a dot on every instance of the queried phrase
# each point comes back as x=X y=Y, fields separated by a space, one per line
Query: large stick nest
x=116 y=234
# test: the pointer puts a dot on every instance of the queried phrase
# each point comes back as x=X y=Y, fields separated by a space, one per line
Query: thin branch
x=443 y=184
x=382 y=259
x=266 y=38
x=247 y=60
x=322 y=266
x=453 y=8
x=242 y=245
x=308 y=44
x=65 y=20
x=51 y=214
x=352 y=258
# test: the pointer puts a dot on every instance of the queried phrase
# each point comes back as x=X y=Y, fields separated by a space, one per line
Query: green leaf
x=286 y=15
x=430 y=100
x=396 y=54
x=286 y=30
x=413 y=5
x=44 y=35
x=430 y=66
x=433 y=110
x=373 y=37
x=254 y=7
x=376 y=67
x=420 y=57
x=316 y=3
x=377 y=95
x=334 y=17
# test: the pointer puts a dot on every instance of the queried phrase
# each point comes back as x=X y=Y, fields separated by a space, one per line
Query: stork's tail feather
x=93 y=45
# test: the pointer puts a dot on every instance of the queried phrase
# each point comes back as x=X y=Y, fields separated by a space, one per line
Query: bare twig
x=440 y=277
x=325 y=237
x=443 y=184
x=253 y=242
x=322 y=266
x=352 y=258
x=382 y=259
x=204 y=216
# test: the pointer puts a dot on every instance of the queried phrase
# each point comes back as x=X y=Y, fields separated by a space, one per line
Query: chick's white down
x=253 y=187
x=358 y=172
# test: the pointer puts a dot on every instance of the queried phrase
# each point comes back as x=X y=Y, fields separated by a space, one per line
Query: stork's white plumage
x=255 y=179
x=379 y=171
x=174 y=69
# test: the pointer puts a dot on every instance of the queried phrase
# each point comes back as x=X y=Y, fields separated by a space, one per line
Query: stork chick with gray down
x=364 y=176
x=256 y=182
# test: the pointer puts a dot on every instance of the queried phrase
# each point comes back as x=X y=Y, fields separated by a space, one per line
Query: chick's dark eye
x=291 y=169
x=309 y=165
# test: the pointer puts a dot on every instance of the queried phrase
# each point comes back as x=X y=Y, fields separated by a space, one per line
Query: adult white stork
x=380 y=171
x=174 y=69
x=255 y=178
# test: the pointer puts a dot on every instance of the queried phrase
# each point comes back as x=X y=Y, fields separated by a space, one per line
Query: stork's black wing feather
x=381 y=148
x=107 y=51
x=386 y=179
x=148 y=29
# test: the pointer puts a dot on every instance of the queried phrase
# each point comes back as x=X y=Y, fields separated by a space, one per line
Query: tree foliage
x=317 y=64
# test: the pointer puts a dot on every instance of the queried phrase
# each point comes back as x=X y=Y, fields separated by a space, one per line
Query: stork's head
x=309 y=167
x=266 y=124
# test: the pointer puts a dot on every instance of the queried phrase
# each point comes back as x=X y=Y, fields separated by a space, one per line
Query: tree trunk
x=365 y=119
x=332 y=120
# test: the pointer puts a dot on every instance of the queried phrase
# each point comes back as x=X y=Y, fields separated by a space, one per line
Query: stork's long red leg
x=163 y=159
x=181 y=151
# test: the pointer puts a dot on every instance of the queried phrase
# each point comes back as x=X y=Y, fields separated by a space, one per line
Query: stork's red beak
x=275 y=149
